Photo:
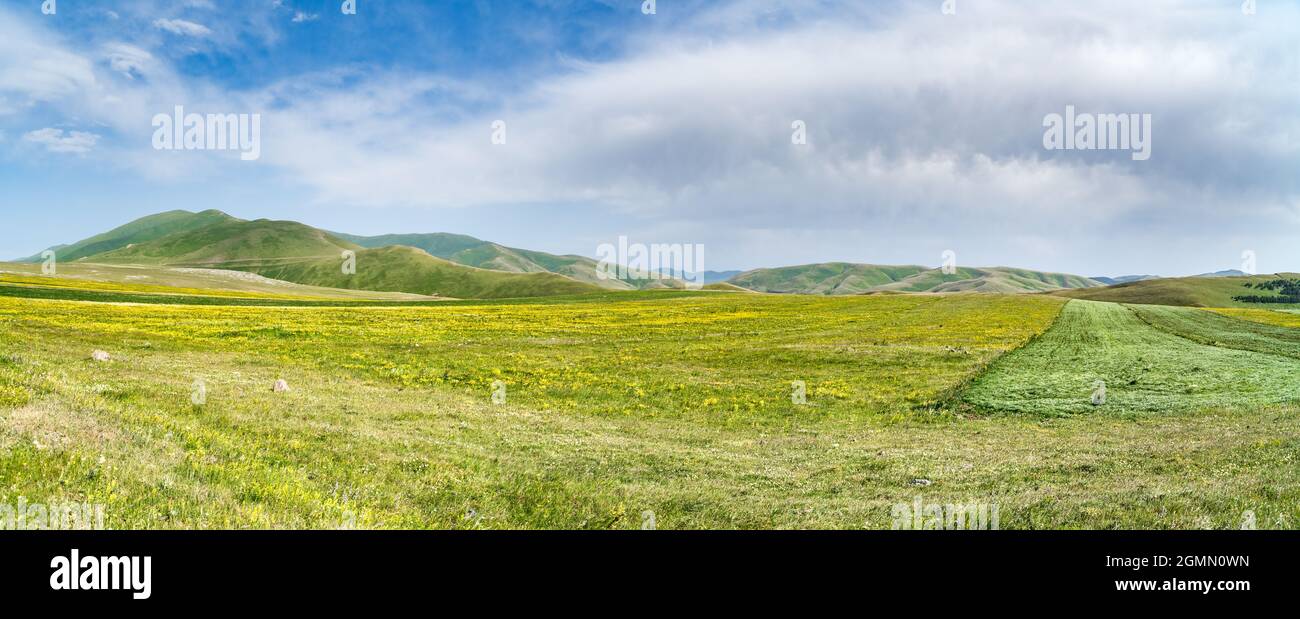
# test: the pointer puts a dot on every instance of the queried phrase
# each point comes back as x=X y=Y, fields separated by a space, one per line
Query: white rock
x=99 y=355
x=281 y=386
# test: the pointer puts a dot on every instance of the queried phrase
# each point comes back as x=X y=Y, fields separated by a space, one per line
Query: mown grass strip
x=1224 y=331
x=1143 y=369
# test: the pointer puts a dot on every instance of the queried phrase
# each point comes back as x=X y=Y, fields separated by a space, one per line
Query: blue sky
x=924 y=128
x=256 y=44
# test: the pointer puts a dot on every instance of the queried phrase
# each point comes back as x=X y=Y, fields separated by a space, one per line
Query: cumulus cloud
x=128 y=60
x=688 y=125
x=916 y=121
x=182 y=27
x=924 y=130
x=59 y=141
x=34 y=69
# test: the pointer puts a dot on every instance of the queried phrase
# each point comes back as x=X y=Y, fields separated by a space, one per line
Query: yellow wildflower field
x=685 y=410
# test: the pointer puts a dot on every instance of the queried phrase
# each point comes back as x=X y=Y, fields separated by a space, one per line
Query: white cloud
x=687 y=125
x=917 y=122
x=128 y=60
x=35 y=69
x=182 y=27
x=924 y=129
x=59 y=141
x=299 y=17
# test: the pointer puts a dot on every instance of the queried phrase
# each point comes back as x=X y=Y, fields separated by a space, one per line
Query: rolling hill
x=138 y=231
x=460 y=266
x=470 y=251
x=407 y=269
x=838 y=278
x=298 y=253
x=1197 y=291
x=232 y=244
x=132 y=279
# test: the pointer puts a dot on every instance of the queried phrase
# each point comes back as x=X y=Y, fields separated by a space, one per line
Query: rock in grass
x=100 y=356
x=280 y=386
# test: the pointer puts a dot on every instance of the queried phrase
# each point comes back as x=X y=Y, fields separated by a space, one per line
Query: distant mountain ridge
x=840 y=278
x=1123 y=279
x=470 y=251
x=1195 y=291
x=461 y=266
x=1227 y=273
x=299 y=253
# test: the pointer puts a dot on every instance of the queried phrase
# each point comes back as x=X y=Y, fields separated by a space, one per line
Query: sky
x=922 y=124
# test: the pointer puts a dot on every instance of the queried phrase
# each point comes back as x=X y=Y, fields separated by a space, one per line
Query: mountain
x=138 y=231
x=470 y=251
x=1123 y=279
x=1228 y=273
x=295 y=252
x=835 y=278
x=717 y=277
x=460 y=266
x=234 y=244
x=824 y=278
x=1196 y=291
x=400 y=268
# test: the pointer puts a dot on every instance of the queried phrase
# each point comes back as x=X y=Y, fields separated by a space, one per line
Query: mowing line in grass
x=1142 y=369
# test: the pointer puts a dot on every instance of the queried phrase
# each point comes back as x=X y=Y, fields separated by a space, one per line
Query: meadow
x=610 y=407
x=1150 y=359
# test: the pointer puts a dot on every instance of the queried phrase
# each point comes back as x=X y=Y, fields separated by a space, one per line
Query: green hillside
x=406 y=269
x=470 y=251
x=233 y=243
x=294 y=252
x=441 y=245
x=848 y=278
x=824 y=278
x=126 y=280
x=1005 y=279
x=1185 y=291
x=726 y=287
x=139 y=231
x=299 y=253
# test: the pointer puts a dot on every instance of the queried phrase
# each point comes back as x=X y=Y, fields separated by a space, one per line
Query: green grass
x=618 y=403
x=105 y=284
x=298 y=253
x=1182 y=291
x=823 y=278
x=1215 y=329
x=473 y=252
x=139 y=231
x=405 y=269
x=212 y=239
x=1150 y=360
x=228 y=243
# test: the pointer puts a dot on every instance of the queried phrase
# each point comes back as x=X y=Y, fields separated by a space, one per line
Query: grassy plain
x=162 y=281
x=1211 y=292
x=1150 y=359
x=674 y=403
